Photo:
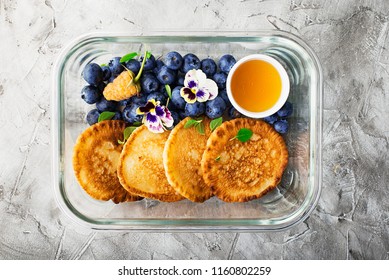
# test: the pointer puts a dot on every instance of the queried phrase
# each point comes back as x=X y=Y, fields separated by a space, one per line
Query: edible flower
x=156 y=117
x=197 y=87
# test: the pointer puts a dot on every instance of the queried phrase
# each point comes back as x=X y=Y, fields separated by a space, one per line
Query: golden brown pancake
x=239 y=172
x=182 y=161
x=95 y=160
x=141 y=169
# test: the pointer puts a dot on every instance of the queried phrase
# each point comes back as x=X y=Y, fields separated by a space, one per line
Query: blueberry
x=115 y=66
x=129 y=114
x=271 y=119
x=139 y=99
x=173 y=60
x=226 y=62
x=125 y=102
x=133 y=65
x=182 y=114
x=106 y=105
x=101 y=86
x=180 y=79
x=149 y=83
x=233 y=113
x=177 y=99
x=286 y=110
x=117 y=116
x=172 y=107
x=157 y=96
x=106 y=73
x=93 y=116
x=149 y=64
x=166 y=75
x=90 y=94
x=190 y=62
x=158 y=66
x=281 y=126
x=93 y=74
x=223 y=94
x=215 y=108
x=194 y=109
x=113 y=77
x=220 y=79
x=208 y=66
x=175 y=117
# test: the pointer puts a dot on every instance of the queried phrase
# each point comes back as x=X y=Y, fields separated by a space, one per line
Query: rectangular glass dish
x=290 y=203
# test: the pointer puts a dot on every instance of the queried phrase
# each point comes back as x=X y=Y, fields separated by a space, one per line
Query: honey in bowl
x=258 y=86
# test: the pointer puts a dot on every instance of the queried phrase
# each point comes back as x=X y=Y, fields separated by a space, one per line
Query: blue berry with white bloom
x=93 y=116
x=173 y=60
x=220 y=79
x=223 y=94
x=91 y=94
x=129 y=113
x=191 y=61
x=271 y=119
x=194 y=109
x=157 y=96
x=115 y=66
x=106 y=105
x=166 y=76
x=286 y=110
x=93 y=74
x=133 y=65
x=149 y=64
x=226 y=62
x=281 y=126
x=106 y=73
x=233 y=113
x=215 y=108
x=177 y=99
x=208 y=66
x=149 y=83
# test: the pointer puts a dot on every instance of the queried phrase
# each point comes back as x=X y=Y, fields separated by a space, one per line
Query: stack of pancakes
x=181 y=163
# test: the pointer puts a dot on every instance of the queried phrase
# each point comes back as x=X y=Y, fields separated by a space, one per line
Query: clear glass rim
x=187 y=225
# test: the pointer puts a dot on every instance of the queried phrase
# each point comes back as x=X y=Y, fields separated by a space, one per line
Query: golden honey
x=256 y=85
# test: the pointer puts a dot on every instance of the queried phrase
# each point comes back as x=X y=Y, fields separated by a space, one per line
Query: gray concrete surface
x=351 y=39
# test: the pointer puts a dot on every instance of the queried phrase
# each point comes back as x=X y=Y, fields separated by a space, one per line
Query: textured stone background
x=351 y=39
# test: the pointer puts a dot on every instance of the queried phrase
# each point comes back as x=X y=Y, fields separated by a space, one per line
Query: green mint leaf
x=128 y=57
x=168 y=91
x=218 y=158
x=244 y=135
x=215 y=123
x=106 y=115
x=148 y=54
x=137 y=124
x=190 y=123
x=127 y=131
x=200 y=128
x=104 y=64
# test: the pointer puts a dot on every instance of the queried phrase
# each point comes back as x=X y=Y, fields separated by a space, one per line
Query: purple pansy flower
x=156 y=117
x=197 y=87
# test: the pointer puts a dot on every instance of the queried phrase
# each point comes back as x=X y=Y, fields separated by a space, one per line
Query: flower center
x=193 y=89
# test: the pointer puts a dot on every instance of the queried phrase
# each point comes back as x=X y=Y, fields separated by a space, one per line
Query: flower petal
x=155 y=127
x=151 y=118
x=147 y=108
x=191 y=79
x=202 y=95
x=211 y=87
x=188 y=95
x=159 y=111
x=167 y=120
x=201 y=77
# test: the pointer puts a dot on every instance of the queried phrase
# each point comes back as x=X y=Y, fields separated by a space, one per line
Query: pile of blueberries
x=169 y=70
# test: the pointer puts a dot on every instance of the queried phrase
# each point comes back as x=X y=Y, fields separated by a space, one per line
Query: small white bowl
x=285 y=86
